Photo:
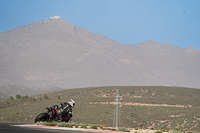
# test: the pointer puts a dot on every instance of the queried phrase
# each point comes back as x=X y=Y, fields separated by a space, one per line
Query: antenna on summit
x=116 y=119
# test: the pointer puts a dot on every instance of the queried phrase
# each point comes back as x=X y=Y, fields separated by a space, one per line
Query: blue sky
x=126 y=21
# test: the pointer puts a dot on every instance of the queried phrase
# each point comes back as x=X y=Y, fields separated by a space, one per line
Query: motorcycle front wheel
x=42 y=117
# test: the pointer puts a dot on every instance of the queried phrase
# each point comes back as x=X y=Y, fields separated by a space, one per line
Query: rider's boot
x=60 y=118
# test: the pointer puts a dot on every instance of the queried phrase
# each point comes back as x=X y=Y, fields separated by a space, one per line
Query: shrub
x=61 y=124
x=41 y=123
x=94 y=126
x=46 y=97
x=112 y=129
x=102 y=126
x=34 y=99
x=123 y=129
x=76 y=125
x=18 y=96
x=12 y=98
x=177 y=129
x=166 y=129
x=83 y=125
x=67 y=124
x=159 y=131
x=58 y=97
x=71 y=124
x=51 y=124
x=24 y=98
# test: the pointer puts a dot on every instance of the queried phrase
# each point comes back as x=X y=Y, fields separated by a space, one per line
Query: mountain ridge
x=56 y=53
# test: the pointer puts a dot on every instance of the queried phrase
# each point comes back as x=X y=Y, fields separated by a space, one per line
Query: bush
x=107 y=128
x=83 y=125
x=94 y=126
x=71 y=124
x=58 y=97
x=159 y=131
x=46 y=97
x=166 y=129
x=63 y=124
x=41 y=123
x=179 y=130
x=51 y=124
x=12 y=98
x=123 y=129
x=18 y=96
x=25 y=98
x=102 y=126
x=112 y=129
x=76 y=125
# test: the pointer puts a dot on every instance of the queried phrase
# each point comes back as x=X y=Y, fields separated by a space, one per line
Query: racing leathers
x=65 y=109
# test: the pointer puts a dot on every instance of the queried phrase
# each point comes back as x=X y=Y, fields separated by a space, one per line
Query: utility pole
x=116 y=119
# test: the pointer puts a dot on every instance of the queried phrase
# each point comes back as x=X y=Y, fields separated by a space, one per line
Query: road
x=9 y=128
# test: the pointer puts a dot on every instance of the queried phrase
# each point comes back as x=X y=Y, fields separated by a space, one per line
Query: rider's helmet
x=71 y=103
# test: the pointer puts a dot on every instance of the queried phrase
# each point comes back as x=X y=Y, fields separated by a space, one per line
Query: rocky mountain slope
x=54 y=52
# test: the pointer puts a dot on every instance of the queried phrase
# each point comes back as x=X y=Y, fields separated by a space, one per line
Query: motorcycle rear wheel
x=42 y=117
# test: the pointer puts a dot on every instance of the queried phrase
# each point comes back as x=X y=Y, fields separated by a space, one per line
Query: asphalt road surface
x=9 y=128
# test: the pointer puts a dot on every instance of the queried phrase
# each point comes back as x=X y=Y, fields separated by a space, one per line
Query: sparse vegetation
x=123 y=129
x=94 y=126
x=46 y=97
x=166 y=129
x=11 y=98
x=158 y=131
x=82 y=125
x=95 y=105
x=58 y=97
x=18 y=96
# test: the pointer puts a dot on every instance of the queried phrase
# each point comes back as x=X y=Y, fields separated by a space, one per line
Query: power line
x=116 y=119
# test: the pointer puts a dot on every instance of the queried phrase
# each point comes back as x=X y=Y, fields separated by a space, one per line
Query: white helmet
x=71 y=102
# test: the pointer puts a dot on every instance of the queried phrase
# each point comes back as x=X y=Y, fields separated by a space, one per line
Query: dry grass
x=142 y=107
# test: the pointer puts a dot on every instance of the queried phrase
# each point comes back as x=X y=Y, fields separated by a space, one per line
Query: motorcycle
x=51 y=115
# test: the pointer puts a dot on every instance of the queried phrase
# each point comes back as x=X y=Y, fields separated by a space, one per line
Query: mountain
x=54 y=52
x=6 y=91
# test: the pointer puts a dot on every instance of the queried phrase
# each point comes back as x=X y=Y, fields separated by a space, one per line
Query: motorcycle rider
x=66 y=107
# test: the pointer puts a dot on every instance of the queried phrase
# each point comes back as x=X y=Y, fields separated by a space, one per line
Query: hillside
x=6 y=91
x=142 y=107
x=57 y=53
